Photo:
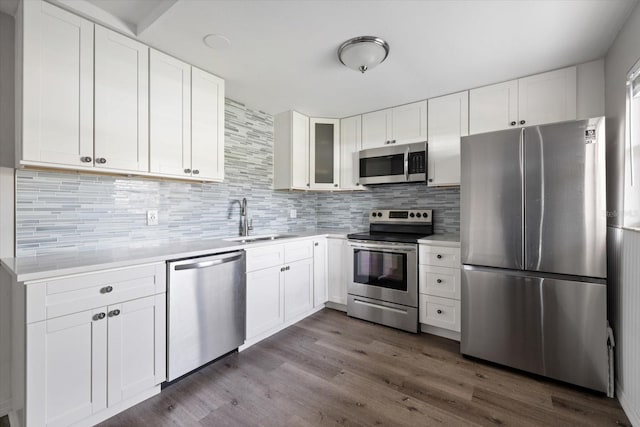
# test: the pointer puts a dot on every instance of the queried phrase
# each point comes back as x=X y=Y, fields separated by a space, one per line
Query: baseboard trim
x=336 y=306
x=441 y=332
x=627 y=406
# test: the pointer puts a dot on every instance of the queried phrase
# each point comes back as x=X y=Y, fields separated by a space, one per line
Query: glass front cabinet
x=324 y=144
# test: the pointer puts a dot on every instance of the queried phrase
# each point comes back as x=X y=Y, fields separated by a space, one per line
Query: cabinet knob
x=86 y=159
x=335 y=185
x=101 y=160
x=196 y=171
x=308 y=185
x=288 y=268
x=187 y=171
x=387 y=142
x=430 y=179
x=114 y=313
x=513 y=123
x=439 y=312
x=357 y=183
x=522 y=122
x=281 y=268
x=106 y=289
x=393 y=141
x=99 y=316
x=439 y=281
x=439 y=256
x=316 y=244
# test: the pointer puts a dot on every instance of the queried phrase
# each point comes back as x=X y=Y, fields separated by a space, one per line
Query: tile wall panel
x=57 y=211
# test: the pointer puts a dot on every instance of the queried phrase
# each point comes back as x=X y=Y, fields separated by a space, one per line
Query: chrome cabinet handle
x=101 y=160
x=86 y=159
x=196 y=171
x=114 y=313
x=106 y=289
x=99 y=316
x=187 y=171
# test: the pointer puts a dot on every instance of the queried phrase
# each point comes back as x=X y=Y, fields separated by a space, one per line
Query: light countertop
x=449 y=239
x=43 y=267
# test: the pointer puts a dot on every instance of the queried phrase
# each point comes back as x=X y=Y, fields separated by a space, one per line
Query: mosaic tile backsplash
x=57 y=212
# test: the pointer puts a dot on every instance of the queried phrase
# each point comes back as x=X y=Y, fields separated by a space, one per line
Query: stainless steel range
x=383 y=285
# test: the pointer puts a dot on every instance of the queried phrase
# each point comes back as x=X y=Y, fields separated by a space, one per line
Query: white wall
x=624 y=279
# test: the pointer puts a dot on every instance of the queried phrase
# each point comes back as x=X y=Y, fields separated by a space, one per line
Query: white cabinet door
x=169 y=115
x=377 y=128
x=409 y=123
x=547 y=97
x=493 y=107
x=339 y=260
x=57 y=87
x=299 y=151
x=320 y=290
x=324 y=153
x=66 y=368
x=207 y=125
x=265 y=300
x=350 y=144
x=448 y=121
x=121 y=102
x=298 y=288
x=136 y=347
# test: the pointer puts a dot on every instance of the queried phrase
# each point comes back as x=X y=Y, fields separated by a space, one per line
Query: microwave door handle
x=406 y=164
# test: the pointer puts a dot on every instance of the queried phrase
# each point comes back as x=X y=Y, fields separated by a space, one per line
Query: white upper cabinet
x=57 y=86
x=547 y=97
x=377 y=128
x=324 y=150
x=169 y=115
x=448 y=121
x=291 y=151
x=493 y=107
x=542 y=98
x=121 y=102
x=207 y=126
x=350 y=145
x=399 y=125
x=410 y=123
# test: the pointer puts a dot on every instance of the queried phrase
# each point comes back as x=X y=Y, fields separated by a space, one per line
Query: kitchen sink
x=258 y=238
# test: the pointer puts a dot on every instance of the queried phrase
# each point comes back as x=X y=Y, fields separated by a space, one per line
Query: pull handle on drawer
x=439 y=281
x=106 y=289
x=439 y=256
x=439 y=311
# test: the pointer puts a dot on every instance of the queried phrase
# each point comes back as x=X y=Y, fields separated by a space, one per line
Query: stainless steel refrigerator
x=533 y=237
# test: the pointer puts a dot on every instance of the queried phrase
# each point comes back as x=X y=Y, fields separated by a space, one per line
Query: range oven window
x=383 y=269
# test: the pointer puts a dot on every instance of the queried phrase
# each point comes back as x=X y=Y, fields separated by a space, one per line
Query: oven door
x=384 y=271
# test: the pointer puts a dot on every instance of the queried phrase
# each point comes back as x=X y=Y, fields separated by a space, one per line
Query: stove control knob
x=412 y=215
x=418 y=215
x=379 y=214
x=373 y=214
x=426 y=215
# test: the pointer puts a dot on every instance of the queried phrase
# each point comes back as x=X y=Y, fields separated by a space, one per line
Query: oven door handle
x=384 y=248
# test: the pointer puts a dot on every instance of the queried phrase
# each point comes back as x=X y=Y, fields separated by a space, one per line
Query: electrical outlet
x=293 y=213
x=152 y=217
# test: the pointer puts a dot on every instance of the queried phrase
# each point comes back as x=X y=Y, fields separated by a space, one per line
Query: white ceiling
x=283 y=52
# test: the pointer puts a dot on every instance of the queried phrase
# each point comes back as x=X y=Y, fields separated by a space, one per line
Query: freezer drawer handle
x=381 y=307
x=206 y=264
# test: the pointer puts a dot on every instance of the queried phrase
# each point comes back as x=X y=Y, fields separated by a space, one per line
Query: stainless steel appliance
x=206 y=304
x=394 y=164
x=533 y=230
x=383 y=285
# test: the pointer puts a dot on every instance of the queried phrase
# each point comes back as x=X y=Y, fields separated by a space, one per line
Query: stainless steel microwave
x=394 y=164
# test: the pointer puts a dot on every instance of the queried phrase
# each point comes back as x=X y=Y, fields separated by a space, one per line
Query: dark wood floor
x=330 y=369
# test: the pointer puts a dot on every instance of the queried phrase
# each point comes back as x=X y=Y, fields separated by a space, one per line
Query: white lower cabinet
x=439 y=287
x=85 y=365
x=339 y=261
x=320 y=283
x=281 y=282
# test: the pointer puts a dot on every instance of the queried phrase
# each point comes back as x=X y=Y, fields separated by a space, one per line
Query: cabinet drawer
x=264 y=257
x=59 y=297
x=440 y=281
x=440 y=312
x=440 y=256
x=296 y=251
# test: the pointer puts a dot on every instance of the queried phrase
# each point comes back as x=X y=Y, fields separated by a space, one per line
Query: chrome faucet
x=247 y=224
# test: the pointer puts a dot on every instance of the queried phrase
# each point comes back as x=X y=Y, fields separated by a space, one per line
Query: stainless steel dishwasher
x=206 y=310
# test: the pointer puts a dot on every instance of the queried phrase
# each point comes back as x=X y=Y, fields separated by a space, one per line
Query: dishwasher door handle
x=205 y=264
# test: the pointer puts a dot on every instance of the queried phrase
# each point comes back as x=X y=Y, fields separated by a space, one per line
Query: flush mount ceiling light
x=363 y=53
x=217 y=42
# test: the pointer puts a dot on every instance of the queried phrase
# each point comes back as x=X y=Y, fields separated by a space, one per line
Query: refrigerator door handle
x=522 y=159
